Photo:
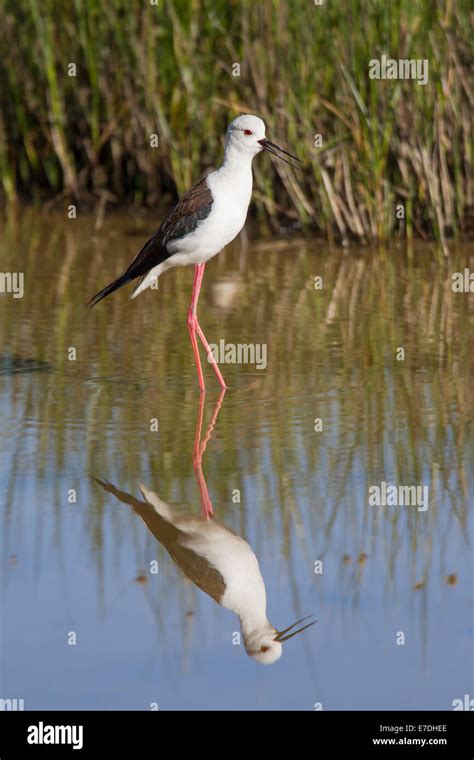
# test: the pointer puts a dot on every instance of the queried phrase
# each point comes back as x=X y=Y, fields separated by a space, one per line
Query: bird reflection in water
x=215 y=558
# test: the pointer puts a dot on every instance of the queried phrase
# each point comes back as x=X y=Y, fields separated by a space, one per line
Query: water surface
x=112 y=393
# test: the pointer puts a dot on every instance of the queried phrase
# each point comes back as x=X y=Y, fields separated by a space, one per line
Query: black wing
x=204 y=575
x=193 y=207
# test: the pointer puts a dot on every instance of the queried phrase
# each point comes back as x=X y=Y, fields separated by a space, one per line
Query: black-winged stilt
x=217 y=560
x=204 y=221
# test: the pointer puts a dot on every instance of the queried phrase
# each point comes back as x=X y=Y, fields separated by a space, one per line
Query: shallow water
x=82 y=393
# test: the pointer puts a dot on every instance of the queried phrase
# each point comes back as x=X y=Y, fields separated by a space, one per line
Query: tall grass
x=167 y=69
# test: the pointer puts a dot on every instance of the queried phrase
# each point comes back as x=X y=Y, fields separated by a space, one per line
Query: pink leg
x=195 y=327
x=192 y=322
x=198 y=451
x=206 y=504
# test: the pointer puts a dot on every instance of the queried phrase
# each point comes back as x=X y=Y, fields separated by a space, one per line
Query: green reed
x=167 y=69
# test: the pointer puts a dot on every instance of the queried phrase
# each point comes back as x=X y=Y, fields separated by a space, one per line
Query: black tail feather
x=111 y=288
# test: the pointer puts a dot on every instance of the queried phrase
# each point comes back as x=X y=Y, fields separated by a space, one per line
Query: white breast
x=233 y=557
x=231 y=191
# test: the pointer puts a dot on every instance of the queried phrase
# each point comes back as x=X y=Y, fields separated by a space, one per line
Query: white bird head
x=246 y=134
x=265 y=644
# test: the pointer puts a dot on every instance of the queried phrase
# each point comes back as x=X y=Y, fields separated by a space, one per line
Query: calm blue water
x=76 y=560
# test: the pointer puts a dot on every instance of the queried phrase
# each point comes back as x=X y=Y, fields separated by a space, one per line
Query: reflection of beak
x=281 y=634
x=272 y=148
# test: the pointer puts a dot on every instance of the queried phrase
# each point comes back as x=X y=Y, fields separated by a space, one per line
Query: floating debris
x=13 y=365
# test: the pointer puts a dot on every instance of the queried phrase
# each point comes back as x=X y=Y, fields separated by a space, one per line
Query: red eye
x=248 y=132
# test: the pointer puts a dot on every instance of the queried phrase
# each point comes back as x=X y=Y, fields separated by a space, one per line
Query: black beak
x=272 y=148
x=281 y=634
